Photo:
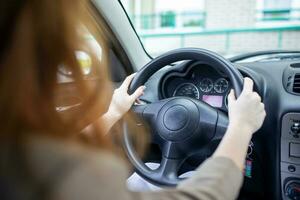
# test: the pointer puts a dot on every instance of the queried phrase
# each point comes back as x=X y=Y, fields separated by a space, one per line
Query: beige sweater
x=80 y=174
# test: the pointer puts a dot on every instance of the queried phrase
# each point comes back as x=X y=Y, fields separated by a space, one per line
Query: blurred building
x=224 y=26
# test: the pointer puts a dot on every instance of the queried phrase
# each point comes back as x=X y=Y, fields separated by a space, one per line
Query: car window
x=229 y=27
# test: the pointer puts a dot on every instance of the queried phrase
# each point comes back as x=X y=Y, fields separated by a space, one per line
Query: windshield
x=229 y=27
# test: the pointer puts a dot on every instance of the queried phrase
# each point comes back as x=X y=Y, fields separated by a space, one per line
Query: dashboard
x=199 y=81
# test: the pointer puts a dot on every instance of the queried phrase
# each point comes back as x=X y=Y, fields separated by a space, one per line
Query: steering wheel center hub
x=176 y=118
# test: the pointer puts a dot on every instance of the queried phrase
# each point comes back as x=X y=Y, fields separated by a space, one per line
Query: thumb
x=231 y=97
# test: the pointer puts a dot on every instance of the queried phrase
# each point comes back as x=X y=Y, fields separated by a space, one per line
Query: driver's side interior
x=203 y=82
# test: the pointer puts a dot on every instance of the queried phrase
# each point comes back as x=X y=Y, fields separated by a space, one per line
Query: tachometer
x=187 y=90
x=206 y=85
x=221 y=85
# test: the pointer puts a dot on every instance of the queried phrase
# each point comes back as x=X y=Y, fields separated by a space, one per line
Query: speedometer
x=221 y=85
x=187 y=90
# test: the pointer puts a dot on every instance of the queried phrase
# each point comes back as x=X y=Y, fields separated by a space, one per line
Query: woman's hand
x=121 y=103
x=246 y=115
x=247 y=112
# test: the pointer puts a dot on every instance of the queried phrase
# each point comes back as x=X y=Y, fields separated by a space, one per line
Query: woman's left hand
x=121 y=101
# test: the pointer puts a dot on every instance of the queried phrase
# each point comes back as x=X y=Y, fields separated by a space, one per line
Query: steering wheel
x=180 y=125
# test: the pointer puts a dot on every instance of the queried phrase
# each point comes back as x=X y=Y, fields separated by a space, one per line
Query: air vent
x=296 y=85
x=295 y=65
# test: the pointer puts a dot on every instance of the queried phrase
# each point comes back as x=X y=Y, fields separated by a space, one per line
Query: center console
x=290 y=156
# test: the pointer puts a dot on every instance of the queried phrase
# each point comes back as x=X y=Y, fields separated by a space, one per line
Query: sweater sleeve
x=105 y=178
x=217 y=178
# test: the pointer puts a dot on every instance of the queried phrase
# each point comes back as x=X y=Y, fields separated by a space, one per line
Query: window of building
x=276 y=10
x=148 y=15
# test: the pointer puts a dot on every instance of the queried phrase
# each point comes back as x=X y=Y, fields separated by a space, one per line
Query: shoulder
x=73 y=170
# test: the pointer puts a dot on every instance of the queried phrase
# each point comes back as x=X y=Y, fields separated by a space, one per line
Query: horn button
x=178 y=119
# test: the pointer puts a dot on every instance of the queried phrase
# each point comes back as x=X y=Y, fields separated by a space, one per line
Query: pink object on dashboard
x=213 y=100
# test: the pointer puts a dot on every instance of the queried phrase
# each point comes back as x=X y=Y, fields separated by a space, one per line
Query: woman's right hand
x=246 y=116
x=247 y=111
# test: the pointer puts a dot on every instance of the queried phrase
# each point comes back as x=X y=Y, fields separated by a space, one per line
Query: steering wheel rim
x=178 y=121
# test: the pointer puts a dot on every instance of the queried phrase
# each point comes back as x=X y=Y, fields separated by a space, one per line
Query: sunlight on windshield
x=228 y=27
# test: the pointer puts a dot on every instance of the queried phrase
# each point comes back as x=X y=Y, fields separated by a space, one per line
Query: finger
x=256 y=95
x=138 y=101
x=127 y=81
x=248 y=85
x=265 y=114
x=231 y=97
x=262 y=106
x=139 y=92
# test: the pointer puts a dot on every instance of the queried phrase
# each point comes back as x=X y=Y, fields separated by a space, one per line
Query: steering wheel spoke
x=172 y=159
x=148 y=111
x=221 y=126
x=168 y=170
x=138 y=109
x=148 y=114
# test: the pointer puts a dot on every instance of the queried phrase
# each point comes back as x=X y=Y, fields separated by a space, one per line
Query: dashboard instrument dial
x=221 y=85
x=206 y=85
x=187 y=90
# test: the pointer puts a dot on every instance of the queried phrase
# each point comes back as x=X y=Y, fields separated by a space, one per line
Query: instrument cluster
x=200 y=82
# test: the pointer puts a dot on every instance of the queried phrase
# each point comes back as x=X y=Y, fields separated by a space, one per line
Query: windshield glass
x=229 y=27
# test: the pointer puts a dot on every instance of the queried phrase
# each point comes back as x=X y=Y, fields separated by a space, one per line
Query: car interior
x=185 y=107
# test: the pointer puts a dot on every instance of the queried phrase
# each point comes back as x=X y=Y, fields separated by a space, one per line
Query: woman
x=43 y=155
